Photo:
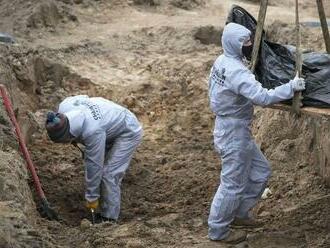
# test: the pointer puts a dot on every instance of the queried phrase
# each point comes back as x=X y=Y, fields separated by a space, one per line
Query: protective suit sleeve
x=94 y=161
x=244 y=83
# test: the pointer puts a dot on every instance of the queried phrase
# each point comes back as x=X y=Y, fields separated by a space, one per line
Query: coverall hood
x=76 y=119
x=233 y=37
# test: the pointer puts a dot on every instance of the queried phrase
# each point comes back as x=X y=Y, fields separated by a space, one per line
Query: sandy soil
x=153 y=57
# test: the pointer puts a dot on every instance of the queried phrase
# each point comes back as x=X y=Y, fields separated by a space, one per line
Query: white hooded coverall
x=110 y=134
x=233 y=90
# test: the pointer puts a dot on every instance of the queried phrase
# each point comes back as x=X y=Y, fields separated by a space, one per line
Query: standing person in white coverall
x=233 y=90
x=110 y=134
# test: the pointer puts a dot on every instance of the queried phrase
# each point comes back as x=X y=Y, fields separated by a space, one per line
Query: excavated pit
x=159 y=73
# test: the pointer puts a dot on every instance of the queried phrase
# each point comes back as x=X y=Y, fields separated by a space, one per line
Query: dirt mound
x=310 y=7
x=17 y=207
x=188 y=4
x=283 y=33
x=34 y=81
x=16 y=204
x=48 y=15
x=18 y=76
x=33 y=15
x=181 y=4
x=317 y=223
x=209 y=35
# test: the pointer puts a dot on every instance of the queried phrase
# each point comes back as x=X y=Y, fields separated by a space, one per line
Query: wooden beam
x=258 y=34
x=296 y=101
x=324 y=25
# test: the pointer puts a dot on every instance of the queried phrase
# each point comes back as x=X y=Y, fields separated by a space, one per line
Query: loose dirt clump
x=208 y=35
x=188 y=4
x=46 y=15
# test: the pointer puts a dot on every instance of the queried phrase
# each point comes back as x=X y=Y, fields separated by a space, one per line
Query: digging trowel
x=93 y=215
x=92 y=206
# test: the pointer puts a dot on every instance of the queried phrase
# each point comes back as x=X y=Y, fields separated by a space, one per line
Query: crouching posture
x=110 y=134
x=233 y=90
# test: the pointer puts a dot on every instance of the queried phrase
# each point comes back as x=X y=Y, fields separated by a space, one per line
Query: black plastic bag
x=276 y=64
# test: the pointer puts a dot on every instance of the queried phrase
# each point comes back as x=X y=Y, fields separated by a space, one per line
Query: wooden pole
x=324 y=25
x=296 y=102
x=258 y=34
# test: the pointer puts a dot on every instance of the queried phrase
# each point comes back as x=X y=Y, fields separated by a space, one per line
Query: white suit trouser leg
x=257 y=182
x=118 y=161
x=244 y=174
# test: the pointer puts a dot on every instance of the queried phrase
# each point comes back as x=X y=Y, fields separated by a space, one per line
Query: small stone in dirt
x=264 y=213
x=85 y=224
x=242 y=245
x=198 y=222
x=266 y=194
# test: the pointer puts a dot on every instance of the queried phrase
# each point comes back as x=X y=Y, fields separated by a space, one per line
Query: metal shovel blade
x=46 y=211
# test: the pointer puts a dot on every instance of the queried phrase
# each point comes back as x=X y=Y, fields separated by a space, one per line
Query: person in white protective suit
x=110 y=134
x=233 y=90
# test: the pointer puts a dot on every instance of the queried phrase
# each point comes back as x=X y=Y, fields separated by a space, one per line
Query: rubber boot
x=100 y=219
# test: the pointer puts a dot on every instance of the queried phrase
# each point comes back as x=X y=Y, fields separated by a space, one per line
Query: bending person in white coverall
x=233 y=90
x=110 y=134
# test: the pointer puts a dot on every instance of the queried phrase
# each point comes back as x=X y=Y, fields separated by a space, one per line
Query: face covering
x=58 y=128
x=247 y=51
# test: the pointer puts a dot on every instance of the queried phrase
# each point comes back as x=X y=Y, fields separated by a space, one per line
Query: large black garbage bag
x=276 y=64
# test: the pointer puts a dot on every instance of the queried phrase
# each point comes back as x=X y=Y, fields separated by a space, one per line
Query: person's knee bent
x=234 y=187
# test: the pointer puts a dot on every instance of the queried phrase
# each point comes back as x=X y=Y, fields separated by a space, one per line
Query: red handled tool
x=45 y=210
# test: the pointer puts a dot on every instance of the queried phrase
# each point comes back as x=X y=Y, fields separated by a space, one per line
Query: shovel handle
x=8 y=106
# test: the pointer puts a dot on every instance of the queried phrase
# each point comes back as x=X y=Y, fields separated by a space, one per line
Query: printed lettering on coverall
x=219 y=77
x=95 y=109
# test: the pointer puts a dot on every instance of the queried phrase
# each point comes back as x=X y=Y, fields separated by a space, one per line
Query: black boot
x=104 y=219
